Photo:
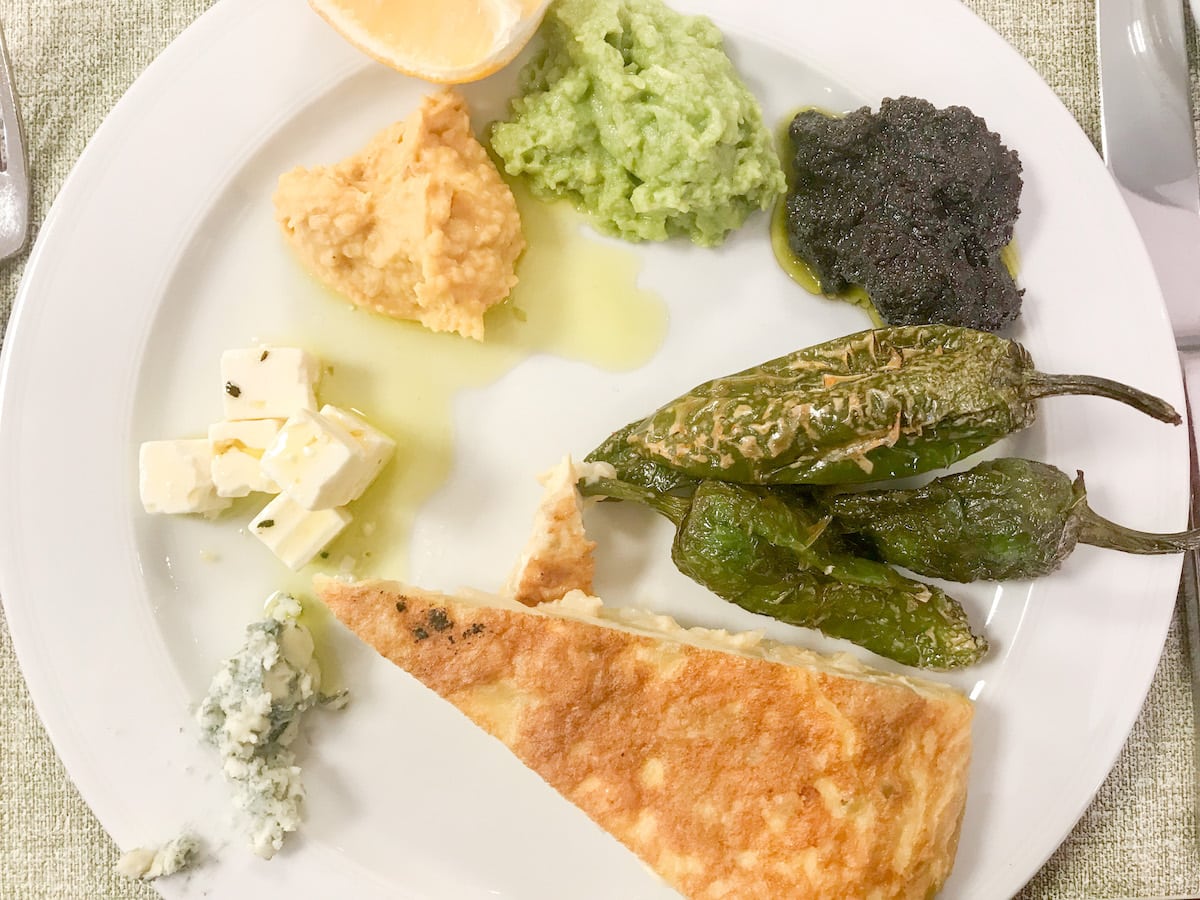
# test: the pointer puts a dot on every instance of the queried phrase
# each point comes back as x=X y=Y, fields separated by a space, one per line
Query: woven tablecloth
x=74 y=58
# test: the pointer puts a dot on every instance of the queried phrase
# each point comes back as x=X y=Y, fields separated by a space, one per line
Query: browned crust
x=558 y=557
x=733 y=777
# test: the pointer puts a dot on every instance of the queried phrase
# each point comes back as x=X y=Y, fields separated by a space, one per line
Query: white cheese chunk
x=176 y=477
x=377 y=448
x=296 y=534
x=148 y=863
x=237 y=449
x=268 y=382
x=316 y=461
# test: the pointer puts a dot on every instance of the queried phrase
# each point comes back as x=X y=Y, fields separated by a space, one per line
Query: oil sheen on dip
x=576 y=298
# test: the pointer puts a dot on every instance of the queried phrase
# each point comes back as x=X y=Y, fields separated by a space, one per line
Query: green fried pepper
x=1004 y=519
x=879 y=404
x=636 y=469
x=768 y=553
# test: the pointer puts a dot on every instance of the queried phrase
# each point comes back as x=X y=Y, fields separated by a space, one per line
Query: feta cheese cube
x=316 y=461
x=176 y=477
x=237 y=448
x=296 y=534
x=377 y=448
x=268 y=382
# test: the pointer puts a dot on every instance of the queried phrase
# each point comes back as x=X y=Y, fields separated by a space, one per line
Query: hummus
x=418 y=225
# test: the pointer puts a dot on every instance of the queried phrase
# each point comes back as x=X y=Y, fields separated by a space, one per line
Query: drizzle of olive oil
x=796 y=268
x=577 y=298
x=802 y=273
x=799 y=269
x=1010 y=258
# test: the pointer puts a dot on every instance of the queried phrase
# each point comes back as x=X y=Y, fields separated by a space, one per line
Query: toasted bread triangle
x=742 y=773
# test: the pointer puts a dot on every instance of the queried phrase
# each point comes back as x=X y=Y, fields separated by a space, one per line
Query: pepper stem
x=1098 y=531
x=1042 y=385
x=674 y=508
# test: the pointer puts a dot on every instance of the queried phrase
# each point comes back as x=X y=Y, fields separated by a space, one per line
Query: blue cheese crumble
x=148 y=863
x=252 y=715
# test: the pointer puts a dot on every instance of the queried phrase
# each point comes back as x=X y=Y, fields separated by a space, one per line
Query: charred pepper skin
x=769 y=553
x=634 y=468
x=744 y=545
x=1005 y=519
x=879 y=404
x=1002 y=520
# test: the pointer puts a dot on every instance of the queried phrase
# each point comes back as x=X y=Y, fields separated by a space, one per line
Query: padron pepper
x=752 y=547
x=879 y=404
x=633 y=468
x=1004 y=519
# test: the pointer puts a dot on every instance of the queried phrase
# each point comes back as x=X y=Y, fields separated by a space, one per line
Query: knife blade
x=1148 y=142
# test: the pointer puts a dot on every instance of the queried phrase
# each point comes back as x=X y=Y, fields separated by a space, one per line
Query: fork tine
x=14 y=183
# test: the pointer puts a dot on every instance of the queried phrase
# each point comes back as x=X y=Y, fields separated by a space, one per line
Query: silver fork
x=14 y=180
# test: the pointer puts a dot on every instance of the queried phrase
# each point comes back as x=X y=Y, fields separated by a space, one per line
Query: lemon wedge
x=447 y=41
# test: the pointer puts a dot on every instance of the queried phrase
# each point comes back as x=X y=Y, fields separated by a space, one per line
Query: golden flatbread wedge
x=733 y=766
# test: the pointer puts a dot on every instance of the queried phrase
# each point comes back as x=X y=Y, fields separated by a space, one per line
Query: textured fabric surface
x=74 y=58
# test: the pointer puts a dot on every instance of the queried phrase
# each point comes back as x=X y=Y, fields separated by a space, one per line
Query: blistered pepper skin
x=771 y=552
x=634 y=468
x=879 y=404
x=742 y=544
x=1005 y=519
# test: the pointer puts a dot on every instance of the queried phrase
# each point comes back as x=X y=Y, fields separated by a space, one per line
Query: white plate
x=161 y=251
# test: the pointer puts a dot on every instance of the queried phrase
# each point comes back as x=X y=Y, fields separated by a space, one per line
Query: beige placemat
x=74 y=58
